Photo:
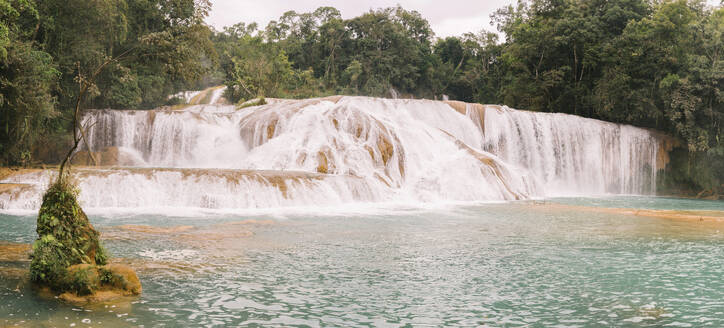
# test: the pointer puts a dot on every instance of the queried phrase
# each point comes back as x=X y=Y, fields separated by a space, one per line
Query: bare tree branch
x=83 y=85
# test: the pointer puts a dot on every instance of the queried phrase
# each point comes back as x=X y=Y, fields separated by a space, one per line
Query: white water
x=572 y=155
x=195 y=97
x=163 y=188
x=350 y=150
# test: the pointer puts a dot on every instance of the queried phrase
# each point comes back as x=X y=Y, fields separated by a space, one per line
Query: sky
x=446 y=17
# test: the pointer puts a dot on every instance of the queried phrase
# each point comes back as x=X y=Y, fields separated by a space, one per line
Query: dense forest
x=650 y=63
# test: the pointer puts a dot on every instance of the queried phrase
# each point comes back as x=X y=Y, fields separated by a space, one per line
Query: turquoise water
x=514 y=264
x=643 y=202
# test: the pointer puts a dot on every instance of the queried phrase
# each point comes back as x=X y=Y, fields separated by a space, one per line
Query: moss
x=68 y=257
x=49 y=261
x=101 y=255
x=65 y=238
x=113 y=279
x=120 y=278
x=252 y=103
x=106 y=276
x=82 y=280
x=692 y=173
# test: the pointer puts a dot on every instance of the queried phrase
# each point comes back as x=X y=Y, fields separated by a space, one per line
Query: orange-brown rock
x=7 y=172
x=271 y=128
x=463 y=108
x=124 y=279
x=93 y=284
x=385 y=147
x=679 y=215
x=666 y=145
x=323 y=163
x=110 y=156
x=12 y=252
x=155 y=230
x=8 y=187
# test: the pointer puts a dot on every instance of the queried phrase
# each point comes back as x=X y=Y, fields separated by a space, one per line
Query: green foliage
x=49 y=262
x=252 y=103
x=258 y=69
x=26 y=103
x=312 y=54
x=27 y=79
x=651 y=64
x=106 y=276
x=80 y=282
x=164 y=41
x=109 y=278
x=101 y=256
x=162 y=47
x=654 y=64
x=65 y=238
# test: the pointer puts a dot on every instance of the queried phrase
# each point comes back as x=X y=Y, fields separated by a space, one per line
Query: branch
x=83 y=86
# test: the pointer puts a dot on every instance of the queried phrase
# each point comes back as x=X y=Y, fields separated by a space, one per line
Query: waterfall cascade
x=574 y=155
x=333 y=150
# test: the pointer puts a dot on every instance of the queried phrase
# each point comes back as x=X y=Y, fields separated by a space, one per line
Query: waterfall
x=340 y=150
x=572 y=155
x=220 y=189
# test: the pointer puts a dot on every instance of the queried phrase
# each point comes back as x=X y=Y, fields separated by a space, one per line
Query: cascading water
x=328 y=151
x=198 y=188
x=572 y=155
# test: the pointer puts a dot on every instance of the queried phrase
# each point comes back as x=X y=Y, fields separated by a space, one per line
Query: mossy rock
x=65 y=239
x=68 y=257
x=251 y=103
x=89 y=283
x=83 y=279
x=121 y=278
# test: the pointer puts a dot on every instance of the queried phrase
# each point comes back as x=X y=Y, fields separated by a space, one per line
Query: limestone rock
x=93 y=284
x=123 y=278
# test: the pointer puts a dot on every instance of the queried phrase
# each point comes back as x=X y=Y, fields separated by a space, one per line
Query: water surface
x=512 y=264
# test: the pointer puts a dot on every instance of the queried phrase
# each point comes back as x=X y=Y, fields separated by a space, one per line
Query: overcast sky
x=446 y=17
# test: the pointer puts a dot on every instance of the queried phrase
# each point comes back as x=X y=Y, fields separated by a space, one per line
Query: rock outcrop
x=68 y=258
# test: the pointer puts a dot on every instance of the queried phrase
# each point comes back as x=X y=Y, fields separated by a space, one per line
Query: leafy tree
x=654 y=64
x=170 y=42
x=27 y=79
x=259 y=69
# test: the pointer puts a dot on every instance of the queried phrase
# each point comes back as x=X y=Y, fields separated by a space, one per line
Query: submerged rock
x=68 y=258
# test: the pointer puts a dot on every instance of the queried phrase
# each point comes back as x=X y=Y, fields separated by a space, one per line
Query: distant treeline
x=649 y=63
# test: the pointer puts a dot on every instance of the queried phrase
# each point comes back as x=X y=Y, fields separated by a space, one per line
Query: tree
x=27 y=79
x=172 y=49
x=259 y=69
